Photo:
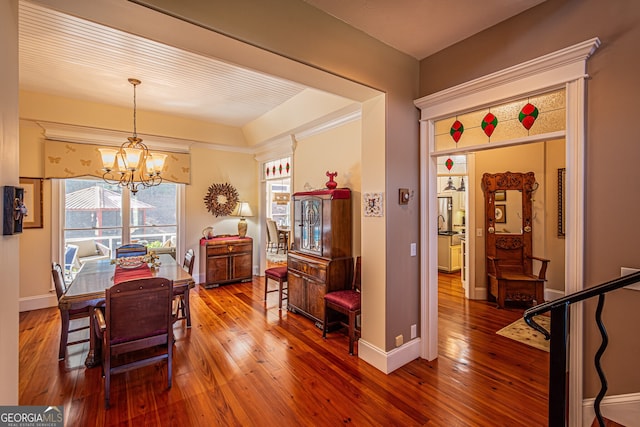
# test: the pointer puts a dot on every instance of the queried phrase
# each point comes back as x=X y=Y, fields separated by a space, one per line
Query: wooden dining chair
x=182 y=310
x=131 y=249
x=275 y=237
x=135 y=327
x=346 y=302
x=77 y=311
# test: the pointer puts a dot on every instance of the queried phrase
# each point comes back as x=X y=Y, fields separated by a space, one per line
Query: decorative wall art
x=221 y=199
x=372 y=204
x=501 y=213
x=562 y=176
x=32 y=201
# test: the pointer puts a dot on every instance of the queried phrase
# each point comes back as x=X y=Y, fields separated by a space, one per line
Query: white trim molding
x=389 y=361
x=624 y=409
x=565 y=68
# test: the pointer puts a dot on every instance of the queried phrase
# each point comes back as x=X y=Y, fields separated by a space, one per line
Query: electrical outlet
x=413 y=249
x=399 y=340
x=478 y=232
x=628 y=270
x=414 y=331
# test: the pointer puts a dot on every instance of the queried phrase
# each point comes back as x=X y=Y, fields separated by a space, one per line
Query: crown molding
x=278 y=147
x=565 y=64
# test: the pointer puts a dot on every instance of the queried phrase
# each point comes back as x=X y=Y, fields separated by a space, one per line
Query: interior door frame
x=564 y=68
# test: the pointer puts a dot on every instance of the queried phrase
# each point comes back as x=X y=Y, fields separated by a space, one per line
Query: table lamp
x=243 y=210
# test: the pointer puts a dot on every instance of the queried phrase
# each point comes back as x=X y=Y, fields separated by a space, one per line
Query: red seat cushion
x=279 y=272
x=348 y=299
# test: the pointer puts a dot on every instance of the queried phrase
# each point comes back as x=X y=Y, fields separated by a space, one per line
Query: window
x=99 y=217
x=277 y=174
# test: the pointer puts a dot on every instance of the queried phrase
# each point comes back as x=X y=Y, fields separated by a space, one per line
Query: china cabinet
x=320 y=258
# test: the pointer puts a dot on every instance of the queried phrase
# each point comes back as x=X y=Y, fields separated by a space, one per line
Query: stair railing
x=559 y=309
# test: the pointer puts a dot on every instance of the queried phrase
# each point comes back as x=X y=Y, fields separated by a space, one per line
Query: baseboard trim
x=552 y=294
x=389 y=361
x=37 y=302
x=479 y=294
x=623 y=409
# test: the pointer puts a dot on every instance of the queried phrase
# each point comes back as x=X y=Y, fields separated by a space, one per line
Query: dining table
x=88 y=287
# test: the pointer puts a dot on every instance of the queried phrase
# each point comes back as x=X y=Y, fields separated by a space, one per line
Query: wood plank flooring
x=245 y=363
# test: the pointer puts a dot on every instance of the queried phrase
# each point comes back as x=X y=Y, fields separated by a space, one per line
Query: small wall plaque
x=372 y=204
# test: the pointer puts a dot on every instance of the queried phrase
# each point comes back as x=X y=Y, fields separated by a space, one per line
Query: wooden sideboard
x=226 y=259
x=310 y=278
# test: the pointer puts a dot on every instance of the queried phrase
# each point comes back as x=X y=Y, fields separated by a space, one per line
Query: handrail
x=559 y=309
x=582 y=295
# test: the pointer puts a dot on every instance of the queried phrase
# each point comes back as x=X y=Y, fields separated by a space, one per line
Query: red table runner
x=126 y=274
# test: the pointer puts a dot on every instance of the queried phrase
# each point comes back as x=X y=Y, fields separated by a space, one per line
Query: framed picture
x=501 y=213
x=562 y=176
x=501 y=195
x=372 y=204
x=32 y=201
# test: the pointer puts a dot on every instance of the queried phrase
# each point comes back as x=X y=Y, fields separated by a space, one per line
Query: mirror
x=508 y=206
x=508 y=202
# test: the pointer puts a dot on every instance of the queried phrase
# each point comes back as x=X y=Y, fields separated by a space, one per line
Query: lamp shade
x=243 y=210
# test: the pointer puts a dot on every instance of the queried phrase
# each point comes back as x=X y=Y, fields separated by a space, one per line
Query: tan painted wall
x=336 y=150
x=38 y=106
x=611 y=151
x=554 y=245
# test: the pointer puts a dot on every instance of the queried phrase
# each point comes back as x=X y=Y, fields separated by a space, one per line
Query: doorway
x=562 y=69
x=277 y=219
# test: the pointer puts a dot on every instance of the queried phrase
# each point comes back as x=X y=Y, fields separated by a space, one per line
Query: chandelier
x=133 y=165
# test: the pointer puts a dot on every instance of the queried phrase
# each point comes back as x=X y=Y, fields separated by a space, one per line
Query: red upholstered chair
x=346 y=302
x=135 y=327
x=182 y=310
x=279 y=274
x=77 y=311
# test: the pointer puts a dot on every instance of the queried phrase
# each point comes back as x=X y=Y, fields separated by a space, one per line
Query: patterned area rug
x=525 y=334
x=277 y=258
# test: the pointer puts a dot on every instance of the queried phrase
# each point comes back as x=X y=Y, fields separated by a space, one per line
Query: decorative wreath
x=221 y=199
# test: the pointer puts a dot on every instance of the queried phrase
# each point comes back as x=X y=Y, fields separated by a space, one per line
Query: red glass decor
x=528 y=115
x=287 y=167
x=267 y=170
x=449 y=163
x=489 y=124
x=280 y=169
x=331 y=184
x=274 y=170
x=456 y=130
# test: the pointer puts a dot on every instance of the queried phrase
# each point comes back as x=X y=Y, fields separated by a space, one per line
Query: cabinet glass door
x=311 y=230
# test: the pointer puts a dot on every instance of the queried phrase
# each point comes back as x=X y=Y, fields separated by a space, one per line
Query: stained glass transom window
x=535 y=115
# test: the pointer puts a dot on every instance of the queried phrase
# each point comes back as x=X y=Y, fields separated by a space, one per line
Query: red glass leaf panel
x=456 y=130
x=528 y=115
x=489 y=124
x=449 y=163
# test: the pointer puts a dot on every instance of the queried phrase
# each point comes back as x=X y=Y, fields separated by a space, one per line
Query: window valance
x=72 y=160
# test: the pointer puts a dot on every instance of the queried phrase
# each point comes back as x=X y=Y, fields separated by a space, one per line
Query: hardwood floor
x=245 y=363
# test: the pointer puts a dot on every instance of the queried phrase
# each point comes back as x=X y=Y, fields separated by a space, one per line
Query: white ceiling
x=67 y=56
